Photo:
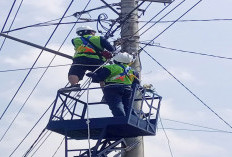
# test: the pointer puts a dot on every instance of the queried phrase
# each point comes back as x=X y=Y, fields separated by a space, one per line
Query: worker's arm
x=100 y=75
x=106 y=44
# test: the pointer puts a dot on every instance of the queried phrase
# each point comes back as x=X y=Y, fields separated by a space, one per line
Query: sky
x=185 y=119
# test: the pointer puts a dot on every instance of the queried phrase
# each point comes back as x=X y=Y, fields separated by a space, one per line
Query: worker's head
x=123 y=57
x=85 y=30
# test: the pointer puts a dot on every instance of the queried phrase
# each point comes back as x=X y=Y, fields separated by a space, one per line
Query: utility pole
x=130 y=44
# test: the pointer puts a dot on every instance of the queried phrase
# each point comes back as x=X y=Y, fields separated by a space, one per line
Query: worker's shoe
x=71 y=88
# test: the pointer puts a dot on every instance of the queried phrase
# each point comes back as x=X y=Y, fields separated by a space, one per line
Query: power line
x=157 y=15
x=34 y=63
x=48 y=23
x=85 y=20
x=8 y=15
x=35 y=25
x=173 y=23
x=163 y=16
x=43 y=67
x=32 y=128
x=30 y=149
x=12 y=23
x=34 y=143
x=172 y=74
x=37 y=82
x=203 y=20
x=169 y=146
x=187 y=89
x=195 y=130
x=191 y=52
x=212 y=129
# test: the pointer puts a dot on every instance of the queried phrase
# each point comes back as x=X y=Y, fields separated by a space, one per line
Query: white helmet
x=123 y=57
x=84 y=28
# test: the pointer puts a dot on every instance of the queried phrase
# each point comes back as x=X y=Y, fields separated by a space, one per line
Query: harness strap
x=87 y=41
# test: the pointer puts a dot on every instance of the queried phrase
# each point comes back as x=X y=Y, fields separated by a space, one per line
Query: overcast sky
x=209 y=78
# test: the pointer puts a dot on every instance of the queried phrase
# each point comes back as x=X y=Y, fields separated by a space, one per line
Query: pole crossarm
x=160 y=1
x=36 y=46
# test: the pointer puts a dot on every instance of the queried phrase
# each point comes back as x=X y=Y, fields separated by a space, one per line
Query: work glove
x=91 y=74
x=106 y=54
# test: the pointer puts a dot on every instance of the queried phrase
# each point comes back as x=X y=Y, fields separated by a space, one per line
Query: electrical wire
x=12 y=23
x=30 y=149
x=173 y=22
x=34 y=64
x=156 y=16
x=188 y=89
x=40 y=78
x=194 y=130
x=8 y=16
x=32 y=129
x=169 y=146
x=42 y=67
x=195 y=125
x=41 y=143
x=203 y=20
x=58 y=147
x=164 y=17
x=122 y=21
x=48 y=23
x=191 y=52
x=36 y=25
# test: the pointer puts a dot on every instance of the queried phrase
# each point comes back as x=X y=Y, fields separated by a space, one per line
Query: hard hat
x=123 y=57
x=84 y=28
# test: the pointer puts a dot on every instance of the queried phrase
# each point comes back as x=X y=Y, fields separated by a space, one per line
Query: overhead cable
x=12 y=23
x=31 y=129
x=43 y=67
x=192 y=52
x=30 y=149
x=122 y=21
x=203 y=20
x=34 y=63
x=36 y=25
x=195 y=125
x=8 y=16
x=187 y=89
x=157 y=15
x=197 y=130
x=169 y=145
x=164 y=17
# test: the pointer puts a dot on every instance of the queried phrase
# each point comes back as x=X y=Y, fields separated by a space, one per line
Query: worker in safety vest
x=89 y=55
x=118 y=79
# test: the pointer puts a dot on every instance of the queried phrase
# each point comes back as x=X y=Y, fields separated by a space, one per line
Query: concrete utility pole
x=130 y=44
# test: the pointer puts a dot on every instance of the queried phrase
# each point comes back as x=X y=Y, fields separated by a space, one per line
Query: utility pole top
x=160 y=1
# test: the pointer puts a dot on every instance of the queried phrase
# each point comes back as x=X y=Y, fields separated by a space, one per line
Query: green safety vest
x=120 y=73
x=83 y=48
